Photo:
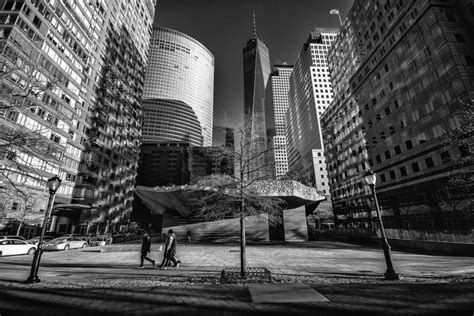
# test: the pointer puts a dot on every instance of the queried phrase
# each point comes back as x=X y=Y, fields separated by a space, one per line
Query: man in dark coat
x=146 y=243
x=170 y=251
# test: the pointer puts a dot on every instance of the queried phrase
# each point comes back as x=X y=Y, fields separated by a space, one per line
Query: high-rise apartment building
x=309 y=96
x=256 y=72
x=72 y=77
x=400 y=71
x=179 y=90
x=280 y=87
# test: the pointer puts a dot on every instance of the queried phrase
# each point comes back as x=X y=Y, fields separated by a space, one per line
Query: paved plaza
x=322 y=278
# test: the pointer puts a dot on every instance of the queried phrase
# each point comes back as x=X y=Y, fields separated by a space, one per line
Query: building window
x=445 y=157
x=403 y=171
x=429 y=162
x=415 y=167
x=392 y=174
x=397 y=150
x=382 y=178
x=450 y=17
x=409 y=144
x=387 y=154
x=469 y=60
x=459 y=38
x=37 y=22
x=464 y=151
x=378 y=159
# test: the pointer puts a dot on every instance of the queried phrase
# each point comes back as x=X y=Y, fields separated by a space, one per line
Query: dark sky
x=224 y=26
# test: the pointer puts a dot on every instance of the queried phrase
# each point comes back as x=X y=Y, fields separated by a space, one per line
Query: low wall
x=294 y=221
x=226 y=230
x=425 y=246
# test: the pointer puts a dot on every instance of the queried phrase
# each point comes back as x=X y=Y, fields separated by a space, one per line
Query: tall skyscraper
x=310 y=94
x=400 y=72
x=256 y=72
x=72 y=79
x=179 y=90
x=276 y=123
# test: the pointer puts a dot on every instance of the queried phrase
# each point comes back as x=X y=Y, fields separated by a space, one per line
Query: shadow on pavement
x=345 y=299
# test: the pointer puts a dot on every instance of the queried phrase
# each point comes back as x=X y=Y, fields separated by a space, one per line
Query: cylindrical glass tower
x=179 y=90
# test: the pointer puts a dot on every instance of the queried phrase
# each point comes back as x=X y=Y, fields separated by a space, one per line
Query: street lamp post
x=336 y=11
x=53 y=185
x=390 y=274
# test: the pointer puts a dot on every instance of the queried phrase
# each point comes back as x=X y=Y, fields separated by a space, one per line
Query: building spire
x=254 y=26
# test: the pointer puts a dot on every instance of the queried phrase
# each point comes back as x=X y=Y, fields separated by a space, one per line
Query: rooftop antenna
x=254 y=26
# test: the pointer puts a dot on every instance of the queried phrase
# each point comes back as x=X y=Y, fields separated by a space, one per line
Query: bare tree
x=29 y=114
x=241 y=194
x=457 y=195
x=18 y=205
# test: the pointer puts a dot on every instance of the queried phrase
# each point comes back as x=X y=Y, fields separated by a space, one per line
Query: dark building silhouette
x=223 y=137
x=256 y=73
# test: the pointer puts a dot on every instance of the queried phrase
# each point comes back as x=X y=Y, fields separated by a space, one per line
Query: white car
x=9 y=247
x=65 y=243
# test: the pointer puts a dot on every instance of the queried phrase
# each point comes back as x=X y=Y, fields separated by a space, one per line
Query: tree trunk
x=243 y=258
x=19 y=228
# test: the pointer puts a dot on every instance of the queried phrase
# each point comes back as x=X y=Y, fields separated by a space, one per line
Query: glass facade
x=280 y=87
x=309 y=96
x=73 y=71
x=179 y=90
x=400 y=70
x=256 y=73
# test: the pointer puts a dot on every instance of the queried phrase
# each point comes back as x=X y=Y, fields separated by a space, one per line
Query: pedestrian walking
x=170 y=251
x=188 y=234
x=146 y=243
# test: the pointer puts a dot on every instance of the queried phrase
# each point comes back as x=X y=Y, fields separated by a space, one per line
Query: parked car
x=71 y=235
x=9 y=247
x=35 y=240
x=65 y=243
x=12 y=237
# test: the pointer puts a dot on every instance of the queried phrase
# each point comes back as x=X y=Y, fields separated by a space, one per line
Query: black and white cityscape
x=236 y=157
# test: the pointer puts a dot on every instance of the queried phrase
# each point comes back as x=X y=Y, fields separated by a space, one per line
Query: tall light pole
x=336 y=11
x=53 y=185
x=390 y=274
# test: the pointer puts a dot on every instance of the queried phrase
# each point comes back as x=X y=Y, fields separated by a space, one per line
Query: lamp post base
x=32 y=280
x=391 y=275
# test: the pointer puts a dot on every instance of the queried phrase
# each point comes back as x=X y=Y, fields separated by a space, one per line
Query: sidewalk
x=318 y=279
x=149 y=297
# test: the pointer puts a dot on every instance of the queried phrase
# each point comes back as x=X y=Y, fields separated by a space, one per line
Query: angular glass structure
x=256 y=74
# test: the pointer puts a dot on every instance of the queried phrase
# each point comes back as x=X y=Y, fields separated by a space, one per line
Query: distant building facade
x=256 y=61
x=309 y=96
x=85 y=63
x=280 y=87
x=223 y=137
x=164 y=164
x=178 y=97
x=399 y=71
x=168 y=164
